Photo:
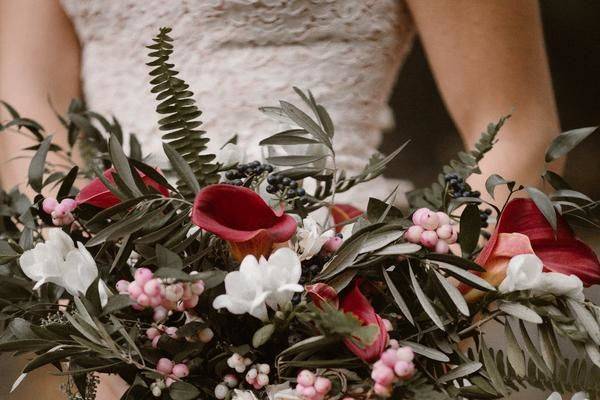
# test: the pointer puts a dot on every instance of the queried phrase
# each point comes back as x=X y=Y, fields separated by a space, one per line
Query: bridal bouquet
x=232 y=279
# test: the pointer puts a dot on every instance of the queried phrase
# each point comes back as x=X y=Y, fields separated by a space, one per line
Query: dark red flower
x=342 y=213
x=323 y=293
x=96 y=194
x=242 y=218
x=560 y=251
x=356 y=303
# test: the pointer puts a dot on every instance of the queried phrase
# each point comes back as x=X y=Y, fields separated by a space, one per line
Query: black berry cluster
x=285 y=187
x=245 y=172
x=457 y=187
x=310 y=269
x=485 y=214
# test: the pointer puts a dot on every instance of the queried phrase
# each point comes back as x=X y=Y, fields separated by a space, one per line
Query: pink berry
x=404 y=369
x=137 y=307
x=187 y=292
x=122 y=286
x=198 y=288
x=405 y=354
x=169 y=381
x=191 y=302
x=426 y=218
x=383 y=375
x=60 y=211
x=332 y=244
x=429 y=239
x=67 y=219
x=155 y=301
x=413 y=234
x=454 y=236
x=322 y=385
x=152 y=287
x=152 y=333
x=143 y=275
x=49 y=204
x=134 y=290
x=441 y=247
x=382 y=390
x=389 y=358
x=307 y=391
x=444 y=219
x=181 y=370
x=174 y=292
x=155 y=342
x=143 y=300
x=164 y=366
x=444 y=231
x=306 y=378
x=69 y=204
x=160 y=314
x=394 y=344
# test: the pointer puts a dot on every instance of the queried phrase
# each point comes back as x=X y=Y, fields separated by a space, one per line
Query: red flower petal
x=560 y=251
x=238 y=214
x=356 y=303
x=98 y=195
x=322 y=293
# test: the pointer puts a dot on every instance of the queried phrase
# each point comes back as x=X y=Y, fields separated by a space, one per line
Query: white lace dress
x=238 y=55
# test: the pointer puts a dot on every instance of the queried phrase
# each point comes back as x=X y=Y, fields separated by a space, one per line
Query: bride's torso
x=238 y=55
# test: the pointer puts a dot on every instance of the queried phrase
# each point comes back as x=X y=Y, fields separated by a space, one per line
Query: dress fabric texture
x=238 y=55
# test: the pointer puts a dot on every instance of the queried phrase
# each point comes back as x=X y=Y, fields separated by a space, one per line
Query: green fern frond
x=466 y=165
x=181 y=114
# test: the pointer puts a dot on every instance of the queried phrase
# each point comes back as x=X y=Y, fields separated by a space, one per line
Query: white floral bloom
x=311 y=238
x=347 y=231
x=243 y=395
x=259 y=283
x=60 y=262
x=525 y=272
x=231 y=154
x=576 y=396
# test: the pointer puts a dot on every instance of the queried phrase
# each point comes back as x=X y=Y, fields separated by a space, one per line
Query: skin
x=487 y=56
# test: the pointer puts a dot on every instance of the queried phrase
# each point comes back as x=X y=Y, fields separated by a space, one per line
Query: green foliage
x=181 y=114
x=464 y=166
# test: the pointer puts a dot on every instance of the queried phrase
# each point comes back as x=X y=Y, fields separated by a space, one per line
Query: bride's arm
x=488 y=57
x=39 y=60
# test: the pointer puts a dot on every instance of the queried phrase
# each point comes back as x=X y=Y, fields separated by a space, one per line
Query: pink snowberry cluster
x=148 y=291
x=171 y=371
x=61 y=213
x=258 y=375
x=230 y=381
x=312 y=387
x=434 y=230
x=394 y=364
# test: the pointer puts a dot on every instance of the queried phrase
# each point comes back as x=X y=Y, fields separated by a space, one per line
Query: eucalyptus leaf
x=496 y=180
x=398 y=249
x=184 y=171
x=520 y=311
x=470 y=229
x=342 y=259
x=424 y=300
x=38 y=163
x=513 y=351
x=460 y=371
x=304 y=121
x=181 y=390
x=121 y=164
x=587 y=320
x=544 y=204
x=566 y=141
x=397 y=296
x=466 y=277
x=533 y=352
x=492 y=370
x=454 y=294
x=425 y=351
x=263 y=335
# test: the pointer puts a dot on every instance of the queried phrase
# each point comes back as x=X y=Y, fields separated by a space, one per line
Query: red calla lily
x=560 y=251
x=322 y=293
x=242 y=218
x=356 y=303
x=98 y=195
x=342 y=213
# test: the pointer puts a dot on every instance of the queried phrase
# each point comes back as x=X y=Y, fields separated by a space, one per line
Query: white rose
x=60 y=262
x=523 y=273
x=262 y=282
x=311 y=238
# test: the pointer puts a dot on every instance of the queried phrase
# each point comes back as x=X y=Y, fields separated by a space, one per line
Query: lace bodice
x=238 y=55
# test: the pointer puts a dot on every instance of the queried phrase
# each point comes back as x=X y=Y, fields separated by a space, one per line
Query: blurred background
x=573 y=43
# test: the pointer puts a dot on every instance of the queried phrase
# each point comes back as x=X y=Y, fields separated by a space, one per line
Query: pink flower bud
x=322 y=385
x=306 y=378
x=49 y=204
x=169 y=381
x=404 y=369
x=69 y=204
x=152 y=287
x=155 y=301
x=332 y=244
x=413 y=234
x=394 y=344
x=441 y=247
x=454 y=236
x=155 y=342
x=389 y=358
x=142 y=275
x=426 y=218
x=191 y=302
x=388 y=325
x=60 y=211
x=164 y=366
x=231 y=380
x=134 y=290
x=152 y=333
x=405 y=353
x=251 y=375
x=262 y=380
x=383 y=375
x=198 y=288
x=181 y=370
x=429 y=239
x=382 y=390
x=122 y=286
x=306 y=391
x=444 y=231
